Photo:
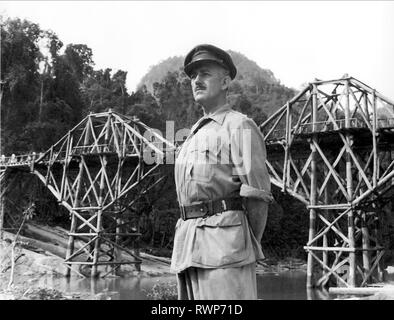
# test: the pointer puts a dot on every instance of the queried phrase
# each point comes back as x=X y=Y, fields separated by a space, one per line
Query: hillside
x=259 y=86
x=157 y=72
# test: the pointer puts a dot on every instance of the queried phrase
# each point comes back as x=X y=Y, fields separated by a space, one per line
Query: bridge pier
x=312 y=218
x=338 y=161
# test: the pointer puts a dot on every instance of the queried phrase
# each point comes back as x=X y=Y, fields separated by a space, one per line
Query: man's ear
x=226 y=82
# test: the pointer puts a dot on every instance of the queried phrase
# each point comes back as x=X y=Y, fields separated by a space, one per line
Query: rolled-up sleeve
x=249 y=154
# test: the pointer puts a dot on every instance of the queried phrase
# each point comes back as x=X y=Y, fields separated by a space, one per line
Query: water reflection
x=289 y=285
x=318 y=294
x=126 y=288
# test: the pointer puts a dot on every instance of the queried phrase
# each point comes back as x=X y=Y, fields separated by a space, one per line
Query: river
x=288 y=285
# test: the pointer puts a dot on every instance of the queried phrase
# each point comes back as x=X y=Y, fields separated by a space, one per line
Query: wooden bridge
x=332 y=148
x=98 y=170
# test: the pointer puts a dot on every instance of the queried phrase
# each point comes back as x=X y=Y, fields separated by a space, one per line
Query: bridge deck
x=330 y=139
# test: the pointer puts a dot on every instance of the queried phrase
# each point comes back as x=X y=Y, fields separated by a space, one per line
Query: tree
x=79 y=59
x=20 y=58
x=144 y=106
x=176 y=101
x=103 y=91
x=42 y=88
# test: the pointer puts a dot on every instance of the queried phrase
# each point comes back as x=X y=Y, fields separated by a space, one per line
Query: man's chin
x=199 y=98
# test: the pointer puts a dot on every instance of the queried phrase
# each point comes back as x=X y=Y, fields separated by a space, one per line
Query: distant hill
x=257 y=85
x=157 y=72
x=248 y=71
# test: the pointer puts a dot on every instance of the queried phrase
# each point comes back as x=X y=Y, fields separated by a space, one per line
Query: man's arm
x=257 y=212
x=249 y=159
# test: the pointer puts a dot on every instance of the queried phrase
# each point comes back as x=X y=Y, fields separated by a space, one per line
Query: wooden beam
x=316 y=248
x=347 y=141
x=328 y=175
x=335 y=229
x=370 y=90
x=312 y=212
x=299 y=178
x=331 y=271
x=301 y=115
x=332 y=170
x=361 y=291
x=328 y=268
x=349 y=189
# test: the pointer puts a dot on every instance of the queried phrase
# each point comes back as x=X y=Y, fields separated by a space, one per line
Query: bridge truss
x=98 y=171
x=332 y=147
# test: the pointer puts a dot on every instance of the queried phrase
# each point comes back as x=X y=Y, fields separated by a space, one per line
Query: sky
x=297 y=40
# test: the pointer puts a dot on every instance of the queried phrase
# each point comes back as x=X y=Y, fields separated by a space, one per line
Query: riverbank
x=39 y=275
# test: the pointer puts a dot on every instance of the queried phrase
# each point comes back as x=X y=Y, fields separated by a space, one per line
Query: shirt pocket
x=200 y=167
x=220 y=240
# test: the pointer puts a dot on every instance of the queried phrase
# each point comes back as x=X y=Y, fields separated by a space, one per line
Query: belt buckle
x=207 y=209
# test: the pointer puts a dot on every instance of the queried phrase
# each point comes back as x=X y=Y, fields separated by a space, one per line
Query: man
x=223 y=189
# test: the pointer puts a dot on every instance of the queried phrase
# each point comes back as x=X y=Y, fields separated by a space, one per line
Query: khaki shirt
x=224 y=158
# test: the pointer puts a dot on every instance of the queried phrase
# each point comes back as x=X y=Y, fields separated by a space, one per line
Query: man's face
x=208 y=83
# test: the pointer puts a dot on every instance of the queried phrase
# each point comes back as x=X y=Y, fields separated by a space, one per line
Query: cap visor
x=197 y=63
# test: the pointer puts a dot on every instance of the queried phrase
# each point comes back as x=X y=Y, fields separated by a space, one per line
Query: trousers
x=218 y=284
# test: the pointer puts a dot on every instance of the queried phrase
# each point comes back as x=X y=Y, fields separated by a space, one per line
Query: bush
x=163 y=291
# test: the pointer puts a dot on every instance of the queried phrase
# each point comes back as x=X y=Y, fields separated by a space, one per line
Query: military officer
x=223 y=189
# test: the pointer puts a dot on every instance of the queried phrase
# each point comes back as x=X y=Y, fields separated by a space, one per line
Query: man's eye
x=201 y=74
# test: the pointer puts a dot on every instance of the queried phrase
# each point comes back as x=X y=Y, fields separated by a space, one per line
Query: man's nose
x=197 y=79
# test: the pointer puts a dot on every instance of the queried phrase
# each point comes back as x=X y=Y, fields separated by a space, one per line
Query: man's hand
x=257 y=212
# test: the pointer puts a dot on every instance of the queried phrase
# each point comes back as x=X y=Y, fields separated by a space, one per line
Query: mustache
x=199 y=88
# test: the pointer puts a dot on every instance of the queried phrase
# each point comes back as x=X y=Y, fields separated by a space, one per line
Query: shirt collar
x=219 y=114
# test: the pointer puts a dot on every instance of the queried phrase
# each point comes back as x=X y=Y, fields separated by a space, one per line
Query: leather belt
x=210 y=208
